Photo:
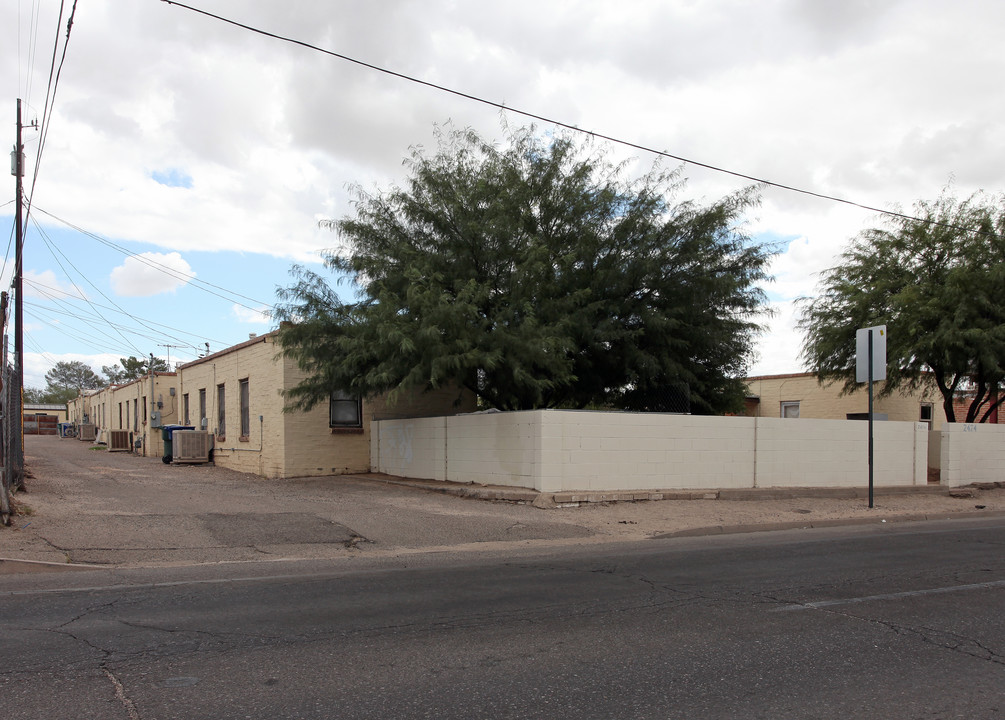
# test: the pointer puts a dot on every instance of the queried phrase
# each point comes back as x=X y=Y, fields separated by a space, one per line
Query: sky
x=187 y=162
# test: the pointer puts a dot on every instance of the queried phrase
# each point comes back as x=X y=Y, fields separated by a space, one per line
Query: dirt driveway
x=91 y=506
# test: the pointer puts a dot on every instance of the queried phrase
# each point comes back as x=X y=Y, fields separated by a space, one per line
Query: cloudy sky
x=187 y=161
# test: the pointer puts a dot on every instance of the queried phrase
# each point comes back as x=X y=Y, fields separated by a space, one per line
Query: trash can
x=166 y=433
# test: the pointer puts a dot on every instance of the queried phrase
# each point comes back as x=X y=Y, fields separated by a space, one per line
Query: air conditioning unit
x=86 y=432
x=118 y=441
x=191 y=446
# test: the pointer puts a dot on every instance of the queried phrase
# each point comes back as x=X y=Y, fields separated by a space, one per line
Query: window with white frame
x=790 y=409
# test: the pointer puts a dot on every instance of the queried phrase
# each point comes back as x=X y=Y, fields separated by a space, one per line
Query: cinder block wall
x=556 y=450
x=971 y=453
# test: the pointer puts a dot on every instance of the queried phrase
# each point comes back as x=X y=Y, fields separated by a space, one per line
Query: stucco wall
x=555 y=450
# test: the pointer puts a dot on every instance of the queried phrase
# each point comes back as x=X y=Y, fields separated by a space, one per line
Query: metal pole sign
x=870 y=365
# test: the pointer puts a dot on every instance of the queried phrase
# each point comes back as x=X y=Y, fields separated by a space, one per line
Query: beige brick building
x=237 y=395
x=802 y=395
x=139 y=407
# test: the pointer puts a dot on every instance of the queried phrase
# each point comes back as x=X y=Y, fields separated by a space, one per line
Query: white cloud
x=877 y=101
x=46 y=285
x=259 y=316
x=151 y=274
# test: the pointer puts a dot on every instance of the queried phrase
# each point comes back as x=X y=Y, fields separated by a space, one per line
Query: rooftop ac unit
x=86 y=432
x=191 y=446
x=118 y=441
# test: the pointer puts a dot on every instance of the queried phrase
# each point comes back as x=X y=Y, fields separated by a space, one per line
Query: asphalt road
x=899 y=622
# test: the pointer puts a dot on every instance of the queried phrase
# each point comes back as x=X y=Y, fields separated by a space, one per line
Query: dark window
x=221 y=413
x=345 y=411
x=185 y=406
x=245 y=408
x=202 y=409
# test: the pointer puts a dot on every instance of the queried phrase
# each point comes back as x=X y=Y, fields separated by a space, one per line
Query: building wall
x=825 y=402
x=559 y=450
x=60 y=413
x=262 y=450
x=292 y=444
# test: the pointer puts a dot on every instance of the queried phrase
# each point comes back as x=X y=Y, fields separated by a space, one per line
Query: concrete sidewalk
x=86 y=507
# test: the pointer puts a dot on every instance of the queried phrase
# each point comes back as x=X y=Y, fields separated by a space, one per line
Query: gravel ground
x=90 y=506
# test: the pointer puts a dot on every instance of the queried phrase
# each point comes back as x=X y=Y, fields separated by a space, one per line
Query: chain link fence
x=11 y=439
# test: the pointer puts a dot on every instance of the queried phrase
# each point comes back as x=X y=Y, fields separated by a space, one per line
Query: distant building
x=801 y=395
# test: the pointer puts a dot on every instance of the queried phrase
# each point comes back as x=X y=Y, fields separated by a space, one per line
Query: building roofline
x=779 y=377
x=233 y=348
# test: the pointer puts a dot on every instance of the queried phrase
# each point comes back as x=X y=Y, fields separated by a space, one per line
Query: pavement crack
x=120 y=694
x=933 y=636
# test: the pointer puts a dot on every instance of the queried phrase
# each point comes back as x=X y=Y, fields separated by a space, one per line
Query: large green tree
x=536 y=274
x=131 y=368
x=939 y=287
x=66 y=379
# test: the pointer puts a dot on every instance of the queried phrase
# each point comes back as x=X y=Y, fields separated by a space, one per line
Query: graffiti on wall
x=396 y=444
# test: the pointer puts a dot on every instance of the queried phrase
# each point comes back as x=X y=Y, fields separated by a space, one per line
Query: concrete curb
x=826 y=523
x=575 y=498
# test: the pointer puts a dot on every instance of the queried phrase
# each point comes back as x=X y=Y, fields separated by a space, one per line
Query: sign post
x=870 y=366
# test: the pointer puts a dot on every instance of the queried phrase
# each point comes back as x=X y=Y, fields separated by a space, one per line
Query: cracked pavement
x=901 y=622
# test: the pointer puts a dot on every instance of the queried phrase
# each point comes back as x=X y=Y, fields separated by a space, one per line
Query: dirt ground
x=87 y=506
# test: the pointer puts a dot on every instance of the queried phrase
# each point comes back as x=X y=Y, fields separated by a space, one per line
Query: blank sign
x=878 y=353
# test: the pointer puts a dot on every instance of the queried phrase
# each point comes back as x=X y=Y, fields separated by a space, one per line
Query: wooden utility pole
x=17 y=168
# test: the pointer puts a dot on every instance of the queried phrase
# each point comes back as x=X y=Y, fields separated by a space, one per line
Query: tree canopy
x=131 y=368
x=938 y=286
x=536 y=274
x=64 y=381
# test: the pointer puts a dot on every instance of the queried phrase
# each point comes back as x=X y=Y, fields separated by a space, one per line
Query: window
x=136 y=414
x=245 y=408
x=144 y=409
x=221 y=410
x=202 y=409
x=184 y=403
x=790 y=409
x=120 y=416
x=926 y=414
x=345 y=411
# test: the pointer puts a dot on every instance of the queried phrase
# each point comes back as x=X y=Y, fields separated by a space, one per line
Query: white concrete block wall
x=558 y=450
x=495 y=448
x=410 y=448
x=972 y=453
x=635 y=451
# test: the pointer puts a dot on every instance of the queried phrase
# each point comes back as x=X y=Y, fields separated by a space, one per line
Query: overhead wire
x=574 y=128
x=54 y=296
x=50 y=99
x=204 y=285
x=53 y=250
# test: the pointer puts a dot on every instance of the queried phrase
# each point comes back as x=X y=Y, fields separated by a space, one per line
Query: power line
x=574 y=128
x=146 y=322
x=203 y=284
x=50 y=94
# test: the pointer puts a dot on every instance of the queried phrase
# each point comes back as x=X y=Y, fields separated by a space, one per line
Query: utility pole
x=17 y=169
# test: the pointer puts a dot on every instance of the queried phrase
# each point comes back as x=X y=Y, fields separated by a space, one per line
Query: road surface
x=899 y=622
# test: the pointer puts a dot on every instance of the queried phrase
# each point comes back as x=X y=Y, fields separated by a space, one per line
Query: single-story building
x=236 y=395
x=801 y=395
x=43 y=418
